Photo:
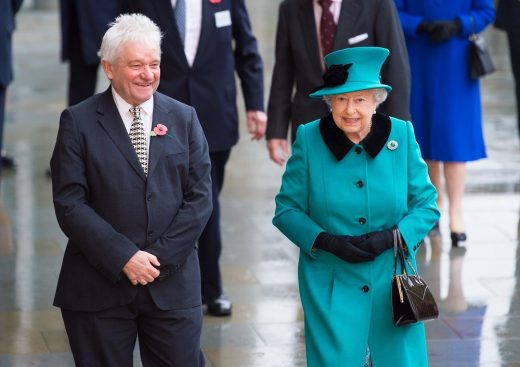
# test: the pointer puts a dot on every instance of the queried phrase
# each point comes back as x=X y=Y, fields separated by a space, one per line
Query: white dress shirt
x=193 y=27
x=146 y=114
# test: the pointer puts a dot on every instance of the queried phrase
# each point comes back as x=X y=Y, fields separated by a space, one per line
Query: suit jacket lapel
x=110 y=120
x=347 y=18
x=308 y=29
x=157 y=143
x=206 y=27
x=168 y=25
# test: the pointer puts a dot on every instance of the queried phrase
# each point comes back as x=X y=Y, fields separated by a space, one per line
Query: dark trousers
x=210 y=241
x=514 y=49
x=82 y=76
x=107 y=338
x=3 y=96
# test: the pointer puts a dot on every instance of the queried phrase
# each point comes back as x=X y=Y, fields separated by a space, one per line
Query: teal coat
x=333 y=185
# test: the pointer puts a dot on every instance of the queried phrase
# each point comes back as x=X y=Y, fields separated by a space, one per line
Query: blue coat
x=332 y=185
x=445 y=103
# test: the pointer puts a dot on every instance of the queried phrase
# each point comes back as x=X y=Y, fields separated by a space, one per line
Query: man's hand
x=278 y=150
x=256 y=124
x=140 y=269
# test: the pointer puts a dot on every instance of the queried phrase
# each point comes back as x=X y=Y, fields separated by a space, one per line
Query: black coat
x=91 y=18
x=8 y=9
x=508 y=15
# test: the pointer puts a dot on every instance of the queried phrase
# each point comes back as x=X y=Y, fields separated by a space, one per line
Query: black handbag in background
x=412 y=300
x=480 y=62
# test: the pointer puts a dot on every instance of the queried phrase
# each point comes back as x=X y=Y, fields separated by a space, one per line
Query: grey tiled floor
x=478 y=290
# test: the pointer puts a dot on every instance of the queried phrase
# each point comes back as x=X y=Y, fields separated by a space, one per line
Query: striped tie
x=138 y=138
x=180 y=18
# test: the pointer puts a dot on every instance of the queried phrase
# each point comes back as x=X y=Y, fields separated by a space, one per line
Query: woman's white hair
x=135 y=28
x=380 y=95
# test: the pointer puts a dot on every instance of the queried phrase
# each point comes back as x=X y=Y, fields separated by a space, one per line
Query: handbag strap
x=472 y=35
x=399 y=253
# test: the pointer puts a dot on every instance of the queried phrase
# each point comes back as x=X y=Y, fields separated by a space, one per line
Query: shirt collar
x=340 y=145
x=124 y=107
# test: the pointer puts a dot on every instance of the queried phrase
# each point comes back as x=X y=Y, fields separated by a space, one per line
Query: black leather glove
x=445 y=29
x=440 y=30
x=424 y=28
x=343 y=247
x=377 y=242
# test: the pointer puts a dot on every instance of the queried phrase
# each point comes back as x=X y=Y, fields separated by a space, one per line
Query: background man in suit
x=508 y=19
x=83 y=24
x=305 y=28
x=132 y=202
x=211 y=41
x=8 y=9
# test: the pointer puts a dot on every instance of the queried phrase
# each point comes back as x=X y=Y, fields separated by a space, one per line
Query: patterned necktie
x=327 y=27
x=138 y=138
x=180 y=18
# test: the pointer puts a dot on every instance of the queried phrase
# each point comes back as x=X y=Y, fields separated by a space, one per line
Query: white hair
x=380 y=95
x=135 y=28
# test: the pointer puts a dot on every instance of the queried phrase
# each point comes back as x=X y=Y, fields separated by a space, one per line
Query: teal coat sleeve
x=292 y=204
x=422 y=197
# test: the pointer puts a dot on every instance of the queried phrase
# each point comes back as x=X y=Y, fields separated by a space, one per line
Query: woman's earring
x=374 y=112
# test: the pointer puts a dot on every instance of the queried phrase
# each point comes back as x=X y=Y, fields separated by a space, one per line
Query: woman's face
x=352 y=113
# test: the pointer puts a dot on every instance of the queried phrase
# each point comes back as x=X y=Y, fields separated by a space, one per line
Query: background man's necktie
x=138 y=138
x=327 y=27
x=180 y=18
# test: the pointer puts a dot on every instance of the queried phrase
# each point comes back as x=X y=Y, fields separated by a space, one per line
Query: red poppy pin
x=159 y=130
x=215 y=1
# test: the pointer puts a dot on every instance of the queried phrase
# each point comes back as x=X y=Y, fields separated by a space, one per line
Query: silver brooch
x=392 y=145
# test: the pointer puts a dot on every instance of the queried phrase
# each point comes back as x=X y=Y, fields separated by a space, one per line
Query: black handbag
x=412 y=300
x=480 y=62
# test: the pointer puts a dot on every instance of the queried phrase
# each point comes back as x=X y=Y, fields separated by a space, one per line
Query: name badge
x=223 y=19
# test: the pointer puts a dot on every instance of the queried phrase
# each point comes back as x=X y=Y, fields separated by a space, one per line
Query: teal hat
x=352 y=69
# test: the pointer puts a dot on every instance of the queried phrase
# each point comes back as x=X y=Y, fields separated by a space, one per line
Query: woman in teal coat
x=353 y=176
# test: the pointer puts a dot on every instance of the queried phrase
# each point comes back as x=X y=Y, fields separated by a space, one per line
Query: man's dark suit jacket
x=8 y=8
x=508 y=15
x=209 y=84
x=109 y=210
x=92 y=19
x=298 y=61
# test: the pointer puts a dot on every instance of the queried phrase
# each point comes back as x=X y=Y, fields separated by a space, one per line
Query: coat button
x=358 y=150
x=359 y=184
x=365 y=288
x=149 y=197
x=362 y=220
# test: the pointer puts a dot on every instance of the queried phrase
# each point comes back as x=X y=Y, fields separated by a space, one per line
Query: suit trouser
x=3 y=97
x=514 y=49
x=210 y=241
x=82 y=76
x=107 y=338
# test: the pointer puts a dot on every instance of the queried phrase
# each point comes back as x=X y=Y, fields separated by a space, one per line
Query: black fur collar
x=340 y=145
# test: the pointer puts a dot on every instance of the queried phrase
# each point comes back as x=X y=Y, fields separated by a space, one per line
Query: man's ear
x=107 y=67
